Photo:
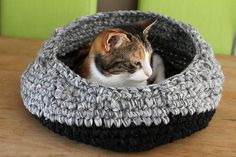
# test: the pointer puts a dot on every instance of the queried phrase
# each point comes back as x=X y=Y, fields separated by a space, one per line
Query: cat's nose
x=148 y=73
x=147 y=69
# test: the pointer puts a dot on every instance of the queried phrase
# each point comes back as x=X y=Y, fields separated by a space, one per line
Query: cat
x=121 y=57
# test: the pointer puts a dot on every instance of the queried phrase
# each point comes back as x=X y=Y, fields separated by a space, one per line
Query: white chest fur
x=158 y=69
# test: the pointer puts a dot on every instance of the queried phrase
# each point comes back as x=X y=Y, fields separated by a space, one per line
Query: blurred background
x=36 y=19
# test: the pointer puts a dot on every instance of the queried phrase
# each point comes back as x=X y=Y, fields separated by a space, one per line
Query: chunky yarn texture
x=124 y=119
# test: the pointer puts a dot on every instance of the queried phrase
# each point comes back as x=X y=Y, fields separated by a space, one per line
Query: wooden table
x=22 y=135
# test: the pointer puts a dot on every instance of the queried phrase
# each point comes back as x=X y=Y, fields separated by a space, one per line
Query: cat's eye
x=131 y=66
x=138 y=64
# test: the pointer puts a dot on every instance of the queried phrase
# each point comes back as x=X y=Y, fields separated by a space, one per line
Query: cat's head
x=124 y=52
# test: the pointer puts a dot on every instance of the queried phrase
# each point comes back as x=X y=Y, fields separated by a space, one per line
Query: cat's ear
x=115 y=40
x=145 y=25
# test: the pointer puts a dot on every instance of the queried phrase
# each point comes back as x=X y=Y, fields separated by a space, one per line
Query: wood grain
x=22 y=135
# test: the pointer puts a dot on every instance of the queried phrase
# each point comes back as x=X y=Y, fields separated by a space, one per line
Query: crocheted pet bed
x=124 y=119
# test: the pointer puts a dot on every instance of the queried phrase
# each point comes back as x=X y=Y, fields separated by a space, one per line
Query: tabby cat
x=121 y=57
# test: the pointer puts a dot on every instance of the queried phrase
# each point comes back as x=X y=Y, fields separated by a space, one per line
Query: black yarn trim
x=133 y=138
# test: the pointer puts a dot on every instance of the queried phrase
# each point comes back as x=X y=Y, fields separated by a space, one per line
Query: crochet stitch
x=108 y=116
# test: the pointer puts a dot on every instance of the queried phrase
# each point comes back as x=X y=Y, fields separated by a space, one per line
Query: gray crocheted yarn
x=50 y=89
